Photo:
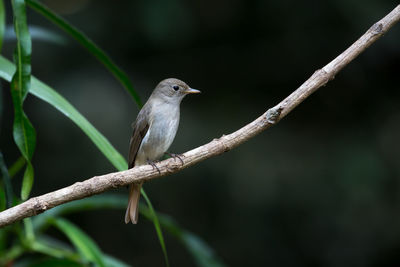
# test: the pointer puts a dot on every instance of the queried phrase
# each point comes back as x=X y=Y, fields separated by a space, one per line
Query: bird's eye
x=176 y=87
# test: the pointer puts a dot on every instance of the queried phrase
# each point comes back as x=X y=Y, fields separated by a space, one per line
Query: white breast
x=161 y=133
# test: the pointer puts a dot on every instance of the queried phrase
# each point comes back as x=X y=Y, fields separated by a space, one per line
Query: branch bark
x=99 y=184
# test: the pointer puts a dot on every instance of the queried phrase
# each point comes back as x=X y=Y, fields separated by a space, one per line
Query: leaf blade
x=82 y=242
x=23 y=132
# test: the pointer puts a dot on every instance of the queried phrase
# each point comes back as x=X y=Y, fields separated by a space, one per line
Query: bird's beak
x=192 y=91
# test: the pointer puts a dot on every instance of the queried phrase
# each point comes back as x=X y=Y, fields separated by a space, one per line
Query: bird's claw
x=179 y=156
x=153 y=164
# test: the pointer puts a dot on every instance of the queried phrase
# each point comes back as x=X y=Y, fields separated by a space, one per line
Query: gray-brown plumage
x=153 y=132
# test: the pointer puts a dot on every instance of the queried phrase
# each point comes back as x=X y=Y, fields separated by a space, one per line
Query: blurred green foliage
x=31 y=237
x=319 y=189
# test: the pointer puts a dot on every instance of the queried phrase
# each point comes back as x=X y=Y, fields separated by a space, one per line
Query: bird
x=154 y=130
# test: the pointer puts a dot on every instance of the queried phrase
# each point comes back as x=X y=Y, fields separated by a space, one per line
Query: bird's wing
x=140 y=129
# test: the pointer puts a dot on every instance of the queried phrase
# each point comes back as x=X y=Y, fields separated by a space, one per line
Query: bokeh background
x=321 y=188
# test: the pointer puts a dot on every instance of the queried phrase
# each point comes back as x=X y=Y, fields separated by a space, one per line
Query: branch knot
x=377 y=28
x=273 y=114
x=39 y=206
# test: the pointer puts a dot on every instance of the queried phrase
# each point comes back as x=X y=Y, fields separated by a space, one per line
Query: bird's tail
x=132 y=211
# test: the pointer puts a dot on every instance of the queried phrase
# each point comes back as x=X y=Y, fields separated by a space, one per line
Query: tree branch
x=99 y=184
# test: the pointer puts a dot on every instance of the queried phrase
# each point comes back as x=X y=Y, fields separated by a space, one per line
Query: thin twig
x=99 y=184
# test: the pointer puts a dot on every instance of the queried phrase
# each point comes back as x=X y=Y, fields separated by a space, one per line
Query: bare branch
x=99 y=184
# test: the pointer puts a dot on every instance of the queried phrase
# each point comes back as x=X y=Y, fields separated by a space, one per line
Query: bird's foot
x=153 y=164
x=172 y=155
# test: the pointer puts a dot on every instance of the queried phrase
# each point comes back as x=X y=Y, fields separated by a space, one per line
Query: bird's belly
x=157 y=140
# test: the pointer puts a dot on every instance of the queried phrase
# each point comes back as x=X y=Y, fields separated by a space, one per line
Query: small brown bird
x=153 y=132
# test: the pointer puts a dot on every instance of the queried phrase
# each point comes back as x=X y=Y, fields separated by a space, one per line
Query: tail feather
x=132 y=211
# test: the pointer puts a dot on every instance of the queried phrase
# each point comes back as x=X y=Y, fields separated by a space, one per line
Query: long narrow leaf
x=54 y=249
x=23 y=131
x=82 y=242
x=88 y=44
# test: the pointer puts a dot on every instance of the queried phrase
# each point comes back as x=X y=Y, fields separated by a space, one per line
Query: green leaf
x=2 y=23
x=82 y=242
x=27 y=181
x=16 y=166
x=88 y=44
x=23 y=51
x=7 y=182
x=57 y=249
x=54 y=249
x=64 y=258
x=29 y=231
x=23 y=131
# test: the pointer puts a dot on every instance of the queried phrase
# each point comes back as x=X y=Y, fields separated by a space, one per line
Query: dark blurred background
x=321 y=188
